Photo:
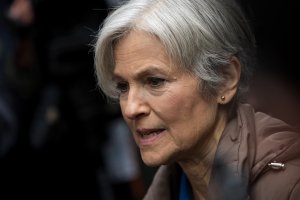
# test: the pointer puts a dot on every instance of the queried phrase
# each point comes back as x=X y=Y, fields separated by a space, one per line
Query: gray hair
x=201 y=36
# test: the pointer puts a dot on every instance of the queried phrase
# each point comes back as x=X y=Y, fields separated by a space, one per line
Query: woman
x=178 y=69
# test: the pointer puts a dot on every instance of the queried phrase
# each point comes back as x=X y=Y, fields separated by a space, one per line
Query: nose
x=135 y=105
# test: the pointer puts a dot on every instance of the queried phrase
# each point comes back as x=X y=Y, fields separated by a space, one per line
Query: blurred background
x=59 y=138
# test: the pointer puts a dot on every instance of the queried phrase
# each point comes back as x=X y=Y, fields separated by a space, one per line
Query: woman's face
x=161 y=104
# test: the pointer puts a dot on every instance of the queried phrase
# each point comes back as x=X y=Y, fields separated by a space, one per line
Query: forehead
x=140 y=50
x=136 y=42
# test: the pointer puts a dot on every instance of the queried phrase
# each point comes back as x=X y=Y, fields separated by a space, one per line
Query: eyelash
x=154 y=82
x=122 y=87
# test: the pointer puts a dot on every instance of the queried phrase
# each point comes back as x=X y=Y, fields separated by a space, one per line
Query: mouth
x=149 y=133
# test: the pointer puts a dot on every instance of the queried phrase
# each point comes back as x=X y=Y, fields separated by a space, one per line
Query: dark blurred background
x=58 y=136
x=276 y=83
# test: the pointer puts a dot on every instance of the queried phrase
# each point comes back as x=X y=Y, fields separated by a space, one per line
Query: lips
x=148 y=132
x=149 y=136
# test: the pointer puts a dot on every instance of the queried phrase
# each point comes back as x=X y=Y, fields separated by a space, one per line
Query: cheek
x=122 y=107
x=179 y=104
x=170 y=102
x=168 y=109
x=176 y=110
x=188 y=116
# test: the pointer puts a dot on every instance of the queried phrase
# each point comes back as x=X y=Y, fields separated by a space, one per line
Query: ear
x=232 y=73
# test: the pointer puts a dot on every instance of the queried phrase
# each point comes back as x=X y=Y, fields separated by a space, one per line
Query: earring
x=223 y=98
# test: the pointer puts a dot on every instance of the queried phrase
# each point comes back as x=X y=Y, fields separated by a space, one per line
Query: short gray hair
x=199 y=35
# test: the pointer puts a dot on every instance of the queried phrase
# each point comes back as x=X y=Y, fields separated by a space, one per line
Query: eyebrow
x=147 y=70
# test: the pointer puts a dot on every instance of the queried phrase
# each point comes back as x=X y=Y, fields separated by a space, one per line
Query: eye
x=155 y=82
x=122 y=87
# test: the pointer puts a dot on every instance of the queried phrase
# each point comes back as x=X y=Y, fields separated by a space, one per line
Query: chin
x=155 y=160
x=151 y=164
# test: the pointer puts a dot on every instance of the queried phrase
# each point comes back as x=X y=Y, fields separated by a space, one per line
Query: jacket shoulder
x=276 y=142
x=278 y=184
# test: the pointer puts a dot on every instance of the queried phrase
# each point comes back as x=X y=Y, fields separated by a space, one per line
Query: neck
x=198 y=167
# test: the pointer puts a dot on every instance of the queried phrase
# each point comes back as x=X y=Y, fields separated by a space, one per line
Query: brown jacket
x=248 y=164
